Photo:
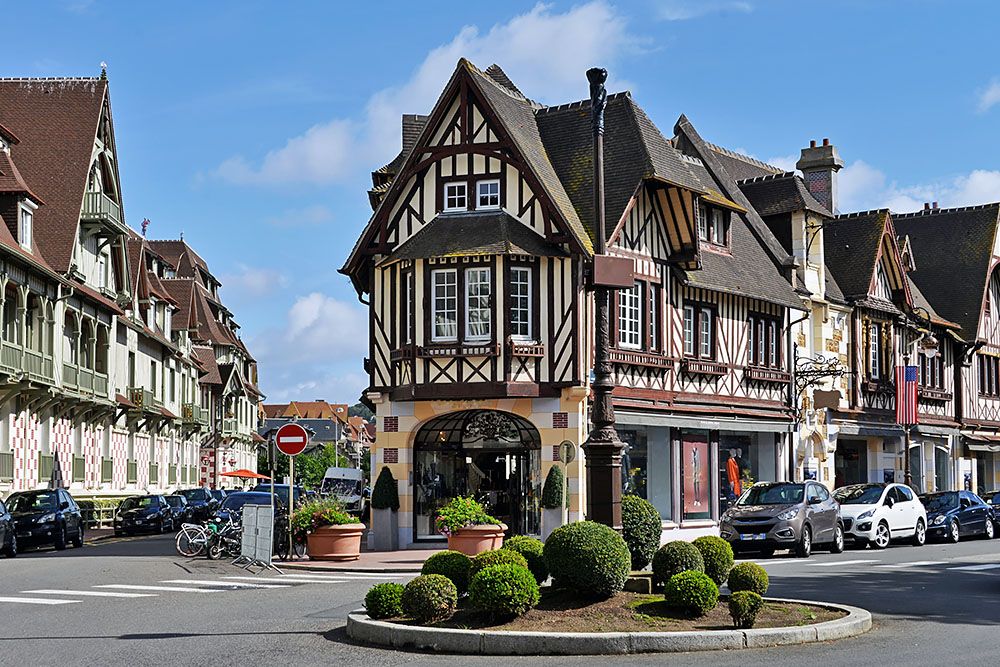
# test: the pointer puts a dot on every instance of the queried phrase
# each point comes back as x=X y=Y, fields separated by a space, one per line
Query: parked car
x=232 y=506
x=200 y=502
x=992 y=498
x=8 y=533
x=281 y=490
x=140 y=514
x=952 y=515
x=46 y=516
x=219 y=494
x=875 y=514
x=179 y=506
x=784 y=515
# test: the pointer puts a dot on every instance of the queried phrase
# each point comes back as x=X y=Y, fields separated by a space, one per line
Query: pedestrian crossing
x=220 y=585
x=878 y=565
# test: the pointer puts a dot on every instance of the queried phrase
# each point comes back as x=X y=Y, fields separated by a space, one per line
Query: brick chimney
x=819 y=166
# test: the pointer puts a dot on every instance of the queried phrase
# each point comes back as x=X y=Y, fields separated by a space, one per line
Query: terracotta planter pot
x=474 y=540
x=339 y=543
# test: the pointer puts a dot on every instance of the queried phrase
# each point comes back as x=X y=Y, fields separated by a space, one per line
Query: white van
x=347 y=486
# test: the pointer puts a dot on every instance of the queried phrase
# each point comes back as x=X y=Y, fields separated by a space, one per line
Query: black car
x=952 y=515
x=992 y=498
x=232 y=506
x=8 y=534
x=144 y=514
x=280 y=491
x=219 y=494
x=200 y=503
x=179 y=505
x=46 y=516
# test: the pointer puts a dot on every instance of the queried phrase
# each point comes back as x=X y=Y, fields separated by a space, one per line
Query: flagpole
x=907 y=478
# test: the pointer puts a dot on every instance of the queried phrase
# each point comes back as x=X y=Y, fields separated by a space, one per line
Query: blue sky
x=251 y=127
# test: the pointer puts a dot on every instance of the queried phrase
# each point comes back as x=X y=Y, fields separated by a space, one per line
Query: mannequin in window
x=733 y=473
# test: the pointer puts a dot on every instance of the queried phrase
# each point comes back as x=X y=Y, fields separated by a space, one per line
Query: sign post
x=567 y=453
x=291 y=440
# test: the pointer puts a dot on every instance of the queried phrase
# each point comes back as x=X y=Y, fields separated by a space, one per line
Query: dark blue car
x=952 y=515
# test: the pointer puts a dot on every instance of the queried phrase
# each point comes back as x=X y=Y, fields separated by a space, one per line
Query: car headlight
x=938 y=520
x=46 y=518
x=789 y=514
x=866 y=515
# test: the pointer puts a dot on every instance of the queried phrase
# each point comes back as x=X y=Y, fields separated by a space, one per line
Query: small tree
x=385 y=495
x=554 y=492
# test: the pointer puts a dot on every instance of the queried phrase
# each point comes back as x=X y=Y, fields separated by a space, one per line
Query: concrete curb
x=498 y=642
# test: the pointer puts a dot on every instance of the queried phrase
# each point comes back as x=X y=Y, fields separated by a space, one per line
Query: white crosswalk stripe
x=843 y=562
x=977 y=568
x=221 y=584
x=918 y=563
x=47 y=601
x=283 y=580
x=93 y=594
x=174 y=589
x=342 y=576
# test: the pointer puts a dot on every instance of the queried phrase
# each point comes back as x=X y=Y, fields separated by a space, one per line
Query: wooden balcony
x=100 y=208
x=459 y=350
x=194 y=415
x=230 y=426
x=703 y=367
x=536 y=350
x=639 y=358
x=144 y=400
x=767 y=375
x=85 y=380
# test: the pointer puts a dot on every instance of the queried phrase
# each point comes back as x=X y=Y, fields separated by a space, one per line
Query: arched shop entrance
x=490 y=455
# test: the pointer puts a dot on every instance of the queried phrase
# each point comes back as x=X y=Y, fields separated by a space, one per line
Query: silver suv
x=784 y=515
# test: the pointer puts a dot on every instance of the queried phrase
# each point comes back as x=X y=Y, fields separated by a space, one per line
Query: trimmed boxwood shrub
x=454 y=565
x=675 y=557
x=691 y=593
x=385 y=495
x=504 y=591
x=718 y=557
x=496 y=557
x=533 y=552
x=589 y=558
x=748 y=577
x=641 y=529
x=744 y=607
x=554 y=491
x=429 y=598
x=384 y=601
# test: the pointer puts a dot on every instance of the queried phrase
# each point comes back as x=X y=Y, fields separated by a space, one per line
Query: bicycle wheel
x=281 y=547
x=300 y=548
x=191 y=541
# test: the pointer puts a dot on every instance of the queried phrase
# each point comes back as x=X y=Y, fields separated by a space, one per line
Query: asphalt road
x=935 y=605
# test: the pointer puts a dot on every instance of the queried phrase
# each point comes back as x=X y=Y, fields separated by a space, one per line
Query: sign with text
x=291 y=439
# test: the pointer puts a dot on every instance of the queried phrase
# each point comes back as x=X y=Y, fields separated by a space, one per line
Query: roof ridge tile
x=954 y=209
x=765 y=179
x=860 y=214
x=740 y=156
x=580 y=103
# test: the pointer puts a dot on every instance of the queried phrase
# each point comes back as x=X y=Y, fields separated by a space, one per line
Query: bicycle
x=281 y=541
x=224 y=539
x=192 y=540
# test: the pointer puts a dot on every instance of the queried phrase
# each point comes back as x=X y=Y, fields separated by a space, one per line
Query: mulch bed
x=560 y=611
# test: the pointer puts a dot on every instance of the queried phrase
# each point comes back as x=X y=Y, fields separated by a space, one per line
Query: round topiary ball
x=675 y=557
x=452 y=564
x=718 y=557
x=744 y=607
x=533 y=552
x=748 y=577
x=691 y=593
x=384 y=601
x=496 y=557
x=588 y=558
x=641 y=529
x=429 y=598
x=504 y=591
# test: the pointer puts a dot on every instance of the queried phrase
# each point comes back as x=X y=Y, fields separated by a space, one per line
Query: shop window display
x=696 y=490
x=646 y=466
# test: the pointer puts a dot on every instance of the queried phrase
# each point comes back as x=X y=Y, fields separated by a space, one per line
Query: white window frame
x=718 y=226
x=442 y=309
x=772 y=344
x=26 y=213
x=702 y=230
x=478 y=276
x=630 y=317
x=408 y=296
x=705 y=333
x=689 y=331
x=874 y=351
x=102 y=270
x=489 y=195
x=448 y=197
x=520 y=303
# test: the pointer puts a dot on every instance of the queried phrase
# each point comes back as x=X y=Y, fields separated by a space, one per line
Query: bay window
x=520 y=303
x=630 y=316
x=478 y=291
x=444 y=304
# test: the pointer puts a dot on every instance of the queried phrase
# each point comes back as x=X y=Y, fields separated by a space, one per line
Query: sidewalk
x=404 y=560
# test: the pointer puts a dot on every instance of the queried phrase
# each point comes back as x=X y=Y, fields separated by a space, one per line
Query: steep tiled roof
x=776 y=194
x=56 y=121
x=851 y=248
x=206 y=359
x=953 y=249
x=181 y=256
x=11 y=180
x=740 y=166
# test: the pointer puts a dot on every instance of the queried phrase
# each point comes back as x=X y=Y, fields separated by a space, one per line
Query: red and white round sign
x=291 y=439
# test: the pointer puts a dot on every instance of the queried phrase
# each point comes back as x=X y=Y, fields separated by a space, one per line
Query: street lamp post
x=929 y=346
x=603 y=448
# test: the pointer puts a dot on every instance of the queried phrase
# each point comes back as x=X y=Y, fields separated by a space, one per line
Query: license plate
x=754 y=536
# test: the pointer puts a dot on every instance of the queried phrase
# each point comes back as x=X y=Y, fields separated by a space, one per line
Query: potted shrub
x=385 y=513
x=554 y=495
x=470 y=530
x=331 y=533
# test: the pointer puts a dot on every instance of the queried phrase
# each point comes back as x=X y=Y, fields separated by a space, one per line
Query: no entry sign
x=291 y=439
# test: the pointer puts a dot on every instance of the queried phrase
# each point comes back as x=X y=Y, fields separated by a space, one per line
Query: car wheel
x=882 y=536
x=160 y=527
x=919 y=534
x=990 y=530
x=804 y=547
x=78 y=540
x=954 y=531
x=11 y=549
x=61 y=539
x=837 y=546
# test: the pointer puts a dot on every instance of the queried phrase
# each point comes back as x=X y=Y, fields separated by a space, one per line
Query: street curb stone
x=500 y=642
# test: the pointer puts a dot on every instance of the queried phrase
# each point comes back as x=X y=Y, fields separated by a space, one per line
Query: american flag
x=906 y=394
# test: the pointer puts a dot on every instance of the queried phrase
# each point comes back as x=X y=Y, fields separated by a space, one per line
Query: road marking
x=764 y=563
x=283 y=580
x=977 y=568
x=843 y=562
x=96 y=594
x=346 y=575
x=178 y=589
x=36 y=601
x=918 y=563
x=221 y=584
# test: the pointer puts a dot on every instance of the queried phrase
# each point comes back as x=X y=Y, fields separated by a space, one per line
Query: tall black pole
x=603 y=449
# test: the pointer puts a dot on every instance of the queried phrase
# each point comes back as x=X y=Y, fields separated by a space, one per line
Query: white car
x=877 y=513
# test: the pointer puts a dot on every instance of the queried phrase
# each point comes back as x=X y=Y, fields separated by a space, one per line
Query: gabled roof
x=953 y=251
x=206 y=359
x=854 y=245
x=742 y=167
x=11 y=181
x=181 y=256
x=776 y=194
x=56 y=121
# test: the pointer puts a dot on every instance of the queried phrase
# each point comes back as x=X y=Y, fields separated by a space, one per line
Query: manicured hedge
x=496 y=557
x=718 y=557
x=641 y=529
x=691 y=593
x=554 y=491
x=384 y=601
x=454 y=565
x=675 y=557
x=744 y=607
x=385 y=495
x=589 y=558
x=429 y=598
x=504 y=591
x=533 y=551
x=748 y=577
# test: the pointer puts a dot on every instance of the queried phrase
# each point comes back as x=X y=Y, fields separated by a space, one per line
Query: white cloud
x=683 y=10
x=989 y=96
x=253 y=282
x=863 y=187
x=332 y=151
x=786 y=162
x=317 y=214
x=334 y=387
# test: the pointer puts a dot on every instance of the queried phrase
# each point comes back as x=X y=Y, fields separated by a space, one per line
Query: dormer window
x=713 y=226
x=25 y=224
x=488 y=194
x=455 y=197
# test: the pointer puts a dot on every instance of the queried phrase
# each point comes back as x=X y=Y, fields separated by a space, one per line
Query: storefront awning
x=875 y=430
x=927 y=429
x=982 y=443
x=626 y=418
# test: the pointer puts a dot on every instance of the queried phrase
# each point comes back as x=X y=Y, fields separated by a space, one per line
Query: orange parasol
x=244 y=473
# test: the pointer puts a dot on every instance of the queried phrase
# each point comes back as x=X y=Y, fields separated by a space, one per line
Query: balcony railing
x=132 y=473
x=154 y=473
x=38 y=366
x=98 y=207
x=10 y=357
x=45 y=464
x=79 y=469
x=194 y=414
x=184 y=475
x=6 y=466
x=107 y=471
x=143 y=399
x=172 y=475
x=192 y=475
x=85 y=380
x=230 y=426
